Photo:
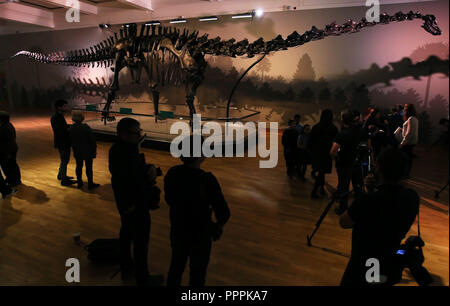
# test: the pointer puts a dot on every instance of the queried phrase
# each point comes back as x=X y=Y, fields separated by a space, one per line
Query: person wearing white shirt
x=410 y=134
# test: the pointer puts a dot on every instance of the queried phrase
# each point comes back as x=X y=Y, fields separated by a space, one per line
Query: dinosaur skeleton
x=170 y=56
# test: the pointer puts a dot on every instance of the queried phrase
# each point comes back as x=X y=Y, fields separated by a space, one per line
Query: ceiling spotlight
x=210 y=18
x=259 y=13
x=180 y=20
x=104 y=25
x=245 y=15
x=152 y=23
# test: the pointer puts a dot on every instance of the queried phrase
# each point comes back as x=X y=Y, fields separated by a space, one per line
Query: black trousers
x=319 y=181
x=135 y=229
x=347 y=174
x=79 y=169
x=409 y=151
x=64 y=155
x=197 y=250
x=11 y=170
x=291 y=161
x=4 y=187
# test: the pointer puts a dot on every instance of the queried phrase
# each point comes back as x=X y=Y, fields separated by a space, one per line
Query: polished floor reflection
x=263 y=244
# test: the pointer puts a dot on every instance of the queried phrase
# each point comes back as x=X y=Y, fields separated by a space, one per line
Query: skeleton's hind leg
x=155 y=93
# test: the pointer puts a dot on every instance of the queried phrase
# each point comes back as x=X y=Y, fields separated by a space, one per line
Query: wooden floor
x=264 y=242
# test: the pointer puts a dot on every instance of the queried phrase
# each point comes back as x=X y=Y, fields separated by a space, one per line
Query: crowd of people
x=375 y=154
x=324 y=142
x=194 y=195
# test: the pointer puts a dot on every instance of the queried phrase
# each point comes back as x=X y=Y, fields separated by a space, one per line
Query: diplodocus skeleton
x=171 y=56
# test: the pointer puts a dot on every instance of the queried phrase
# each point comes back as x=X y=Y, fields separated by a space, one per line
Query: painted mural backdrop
x=397 y=64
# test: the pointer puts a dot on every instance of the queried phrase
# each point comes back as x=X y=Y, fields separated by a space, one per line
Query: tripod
x=437 y=193
x=334 y=198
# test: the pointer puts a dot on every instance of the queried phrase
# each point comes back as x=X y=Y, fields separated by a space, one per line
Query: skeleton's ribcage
x=164 y=68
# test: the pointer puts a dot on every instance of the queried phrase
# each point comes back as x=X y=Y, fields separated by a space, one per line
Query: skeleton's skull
x=430 y=25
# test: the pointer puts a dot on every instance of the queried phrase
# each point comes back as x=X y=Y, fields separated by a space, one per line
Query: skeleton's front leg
x=112 y=90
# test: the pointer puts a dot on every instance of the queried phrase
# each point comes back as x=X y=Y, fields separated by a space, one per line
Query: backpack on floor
x=104 y=250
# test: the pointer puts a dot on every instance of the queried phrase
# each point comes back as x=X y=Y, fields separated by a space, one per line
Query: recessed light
x=210 y=18
x=245 y=15
x=259 y=13
x=178 y=20
x=150 y=23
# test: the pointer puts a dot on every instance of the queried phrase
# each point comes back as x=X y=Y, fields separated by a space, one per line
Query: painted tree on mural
x=438 y=108
x=339 y=98
x=360 y=99
x=425 y=127
x=306 y=95
x=263 y=67
x=439 y=49
x=305 y=70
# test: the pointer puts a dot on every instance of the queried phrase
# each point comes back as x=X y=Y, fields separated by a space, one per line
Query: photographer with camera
x=380 y=220
x=376 y=127
x=346 y=148
x=192 y=195
x=135 y=191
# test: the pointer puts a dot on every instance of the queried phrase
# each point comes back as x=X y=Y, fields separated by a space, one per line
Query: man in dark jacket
x=130 y=177
x=345 y=149
x=84 y=149
x=62 y=141
x=380 y=220
x=193 y=195
x=8 y=151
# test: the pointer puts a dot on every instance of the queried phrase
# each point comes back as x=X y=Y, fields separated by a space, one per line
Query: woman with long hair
x=410 y=135
x=319 y=144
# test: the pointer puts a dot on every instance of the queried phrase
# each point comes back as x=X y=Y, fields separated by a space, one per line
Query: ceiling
x=24 y=16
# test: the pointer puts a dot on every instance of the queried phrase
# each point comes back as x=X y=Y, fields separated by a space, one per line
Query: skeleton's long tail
x=242 y=48
x=84 y=57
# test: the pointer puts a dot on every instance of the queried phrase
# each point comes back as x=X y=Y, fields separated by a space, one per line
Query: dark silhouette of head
x=348 y=118
x=391 y=165
x=326 y=117
x=129 y=130
x=4 y=117
x=190 y=159
x=59 y=104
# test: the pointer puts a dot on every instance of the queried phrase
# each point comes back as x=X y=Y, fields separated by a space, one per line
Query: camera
x=410 y=255
x=152 y=192
x=363 y=158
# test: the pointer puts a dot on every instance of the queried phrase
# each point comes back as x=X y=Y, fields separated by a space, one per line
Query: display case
x=158 y=131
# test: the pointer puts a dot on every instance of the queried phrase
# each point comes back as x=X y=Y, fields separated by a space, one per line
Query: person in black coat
x=319 y=144
x=289 y=142
x=193 y=195
x=61 y=141
x=130 y=177
x=84 y=149
x=8 y=151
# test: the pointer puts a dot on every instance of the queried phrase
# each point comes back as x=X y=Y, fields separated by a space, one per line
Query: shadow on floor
x=31 y=194
x=8 y=216
x=104 y=192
